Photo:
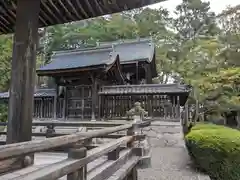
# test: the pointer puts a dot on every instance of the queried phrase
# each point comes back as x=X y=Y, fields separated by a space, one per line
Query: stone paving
x=169 y=157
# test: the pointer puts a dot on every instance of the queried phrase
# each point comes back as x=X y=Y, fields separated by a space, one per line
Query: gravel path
x=169 y=158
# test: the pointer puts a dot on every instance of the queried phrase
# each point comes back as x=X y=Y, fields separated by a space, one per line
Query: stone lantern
x=137 y=112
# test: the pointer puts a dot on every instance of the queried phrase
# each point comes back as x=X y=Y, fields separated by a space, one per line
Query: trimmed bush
x=201 y=126
x=215 y=150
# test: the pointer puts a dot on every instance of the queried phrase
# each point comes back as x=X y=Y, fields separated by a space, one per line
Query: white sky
x=216 y=5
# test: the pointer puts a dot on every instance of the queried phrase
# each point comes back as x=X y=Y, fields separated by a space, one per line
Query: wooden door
x=79 y=102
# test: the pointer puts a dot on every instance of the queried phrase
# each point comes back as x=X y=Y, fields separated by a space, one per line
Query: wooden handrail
x=39 y=134
x=19 y=149
x=73 y=123
x=62 y=168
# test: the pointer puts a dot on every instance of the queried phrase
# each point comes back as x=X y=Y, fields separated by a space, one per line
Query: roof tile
x=104 y=54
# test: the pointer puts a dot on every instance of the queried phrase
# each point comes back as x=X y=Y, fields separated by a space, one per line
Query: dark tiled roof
x=128 y=51
x=145 y=89
x=140 y=50
x=80 y=59
x=38 y=93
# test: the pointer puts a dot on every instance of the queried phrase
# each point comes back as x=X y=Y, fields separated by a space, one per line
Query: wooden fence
x=122 y=156
x=161 y=106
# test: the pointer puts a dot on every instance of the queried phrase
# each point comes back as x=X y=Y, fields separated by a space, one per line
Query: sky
x=216 y=5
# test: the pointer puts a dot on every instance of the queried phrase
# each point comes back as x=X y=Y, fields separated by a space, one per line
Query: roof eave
x=53 y=72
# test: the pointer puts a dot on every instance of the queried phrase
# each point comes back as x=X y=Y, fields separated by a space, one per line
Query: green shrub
x=201 y=126
x=215 y=150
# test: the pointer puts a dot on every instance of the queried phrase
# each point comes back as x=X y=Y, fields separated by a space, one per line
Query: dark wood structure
x=24 y=17
x=61 y=11
x=104 y=82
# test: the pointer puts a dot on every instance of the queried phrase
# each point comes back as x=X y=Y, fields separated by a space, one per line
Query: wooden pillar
x=55 y=103
x=23 y=72
x=178 y=113
x=148 y=73
x=42 y=108
x=150 y=105
x=94 y=98
x=137 y=73
x=65 y=104
x=100 y=107
x=186 y=117
x=80 y=174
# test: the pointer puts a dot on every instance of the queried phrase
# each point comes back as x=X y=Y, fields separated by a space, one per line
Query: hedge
x=216 y=150
x=201 y=126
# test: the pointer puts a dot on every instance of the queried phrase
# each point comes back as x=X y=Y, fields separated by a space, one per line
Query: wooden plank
x=65 y=167
x=94 y=97
x=18 y=149
x=23 y=72
x=75 y=123
x=44 y=159
x=110 y=136
x=108 y=168
x=125 y=170
x=80 y=174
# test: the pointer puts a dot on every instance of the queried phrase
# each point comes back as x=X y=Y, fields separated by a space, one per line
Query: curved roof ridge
x=83 y=51
x=126 y=41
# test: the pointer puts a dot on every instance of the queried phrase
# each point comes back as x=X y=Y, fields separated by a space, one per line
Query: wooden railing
x=50 y=130
x=120 y=162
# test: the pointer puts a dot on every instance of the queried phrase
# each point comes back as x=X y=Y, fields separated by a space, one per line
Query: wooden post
x=41 y=108
x=94 y=97
x=137 y=71
x=178 y=108
x=55 y=103
x=23 y=72
x=81 y=174
x=133 y=174
x=100 y=114
x=148 y=73
x=130 y=132
x=65 y=104
x=187 y=112
x=114 y=155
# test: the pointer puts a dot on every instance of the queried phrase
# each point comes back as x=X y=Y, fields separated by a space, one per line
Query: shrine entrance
x=79 y=102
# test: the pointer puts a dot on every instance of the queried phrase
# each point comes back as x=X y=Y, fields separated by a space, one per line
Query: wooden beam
x=148 y=73
x=50 y=11
x=125 y=170
x=80 y=174
x=107 y=169
x=137 y=73
x=23 y=72
x=55 y=102
x=94 y=97
x=65 y=103
x=62 y=168
x=101 y=124
x=19 y=149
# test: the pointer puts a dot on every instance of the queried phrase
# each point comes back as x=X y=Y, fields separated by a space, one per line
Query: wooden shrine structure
x=104 y=82
x=24 y=17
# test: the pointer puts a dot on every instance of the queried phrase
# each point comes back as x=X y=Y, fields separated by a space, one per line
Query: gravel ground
x=169 y=158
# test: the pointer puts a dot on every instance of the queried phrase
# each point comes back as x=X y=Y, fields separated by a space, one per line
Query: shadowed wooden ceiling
x=62 y=11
